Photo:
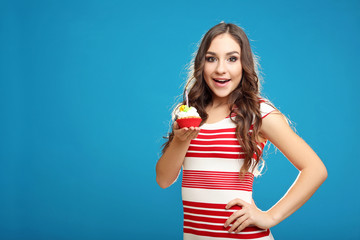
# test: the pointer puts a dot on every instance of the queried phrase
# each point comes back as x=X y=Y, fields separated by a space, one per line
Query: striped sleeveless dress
x=211 y=179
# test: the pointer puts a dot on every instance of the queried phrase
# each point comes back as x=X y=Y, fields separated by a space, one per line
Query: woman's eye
x=233 y=59
x=210 y=59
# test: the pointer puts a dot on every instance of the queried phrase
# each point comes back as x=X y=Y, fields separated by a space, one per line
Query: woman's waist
x=214 y=196
x=207 y=219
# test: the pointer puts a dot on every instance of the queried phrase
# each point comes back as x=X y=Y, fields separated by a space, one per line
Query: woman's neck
x=219 y=102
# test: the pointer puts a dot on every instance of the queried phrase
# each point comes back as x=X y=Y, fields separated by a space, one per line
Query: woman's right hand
x=185 y=134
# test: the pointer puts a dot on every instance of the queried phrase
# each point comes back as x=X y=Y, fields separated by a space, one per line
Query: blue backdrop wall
x=86 y=90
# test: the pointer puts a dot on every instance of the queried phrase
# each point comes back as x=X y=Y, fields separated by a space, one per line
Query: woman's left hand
x=248 y=215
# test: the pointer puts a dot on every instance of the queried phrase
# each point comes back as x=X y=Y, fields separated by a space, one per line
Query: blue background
x=86 y=90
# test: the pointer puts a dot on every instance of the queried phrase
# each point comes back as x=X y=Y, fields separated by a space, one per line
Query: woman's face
x=223 y=69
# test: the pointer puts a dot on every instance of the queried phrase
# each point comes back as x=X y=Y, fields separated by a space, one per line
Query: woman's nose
x=221 y=68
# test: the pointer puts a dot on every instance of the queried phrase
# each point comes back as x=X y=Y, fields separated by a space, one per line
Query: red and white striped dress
x=211 y=179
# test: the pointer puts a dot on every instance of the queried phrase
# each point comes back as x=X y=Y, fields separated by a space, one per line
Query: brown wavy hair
x=243 y=101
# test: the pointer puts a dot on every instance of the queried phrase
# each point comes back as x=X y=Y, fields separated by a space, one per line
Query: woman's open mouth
x=221 y=82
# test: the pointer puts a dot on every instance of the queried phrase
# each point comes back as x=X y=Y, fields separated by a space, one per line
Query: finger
x=194 y=134
x=234 y=216
x=242 y=226
x=236 y=201
x=188 y=133
x=181 y=130
x=181 y=133
x=176 y=126
x=238 y=223
x=197 y=130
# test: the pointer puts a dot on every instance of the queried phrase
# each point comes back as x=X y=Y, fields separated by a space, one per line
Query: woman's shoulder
x=266 y=107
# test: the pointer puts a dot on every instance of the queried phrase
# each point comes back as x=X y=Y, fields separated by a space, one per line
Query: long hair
x=243 y=101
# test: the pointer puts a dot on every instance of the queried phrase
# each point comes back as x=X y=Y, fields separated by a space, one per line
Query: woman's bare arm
x=312 y=172
x=169 y=164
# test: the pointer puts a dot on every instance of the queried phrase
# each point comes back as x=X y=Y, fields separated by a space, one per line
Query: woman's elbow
x=160 y=179
x=321 y=173
x=163 y=184
x=324 y=173
x=318 y=172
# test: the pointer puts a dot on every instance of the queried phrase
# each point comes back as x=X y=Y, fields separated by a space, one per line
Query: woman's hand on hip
x=185 y=134
x=249 y=215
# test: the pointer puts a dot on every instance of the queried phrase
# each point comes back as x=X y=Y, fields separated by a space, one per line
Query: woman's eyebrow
x=229 y=53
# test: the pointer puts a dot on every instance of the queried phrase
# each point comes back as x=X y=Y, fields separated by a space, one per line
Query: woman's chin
x=221 y=94
x=220 y=97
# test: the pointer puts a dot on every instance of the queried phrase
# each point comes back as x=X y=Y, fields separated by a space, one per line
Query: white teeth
x=221 y=81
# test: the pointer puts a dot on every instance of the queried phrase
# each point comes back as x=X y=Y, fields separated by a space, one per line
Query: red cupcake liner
x=188 y=122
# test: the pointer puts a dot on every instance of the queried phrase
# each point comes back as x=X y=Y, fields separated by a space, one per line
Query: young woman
x=221 y=157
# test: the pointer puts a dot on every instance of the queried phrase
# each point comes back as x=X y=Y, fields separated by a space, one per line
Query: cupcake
x=187 y=117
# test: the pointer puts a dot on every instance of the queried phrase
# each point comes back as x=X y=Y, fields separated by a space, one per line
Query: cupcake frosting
x=185 y=112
